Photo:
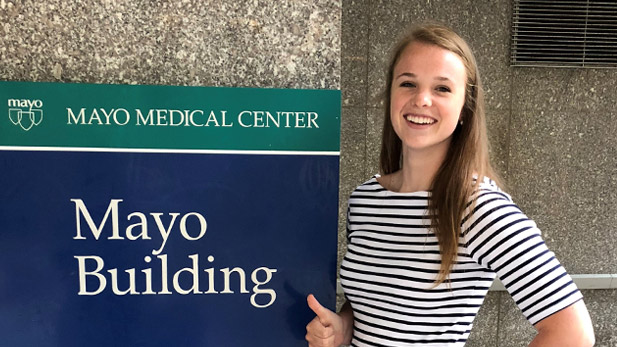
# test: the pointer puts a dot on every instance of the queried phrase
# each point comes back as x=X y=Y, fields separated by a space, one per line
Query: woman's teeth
x=420 y=119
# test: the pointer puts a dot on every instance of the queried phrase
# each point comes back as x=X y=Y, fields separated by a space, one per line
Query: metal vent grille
x=565 y=33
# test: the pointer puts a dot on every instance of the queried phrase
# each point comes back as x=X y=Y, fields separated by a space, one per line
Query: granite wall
x=552 y=133
x=257 y=43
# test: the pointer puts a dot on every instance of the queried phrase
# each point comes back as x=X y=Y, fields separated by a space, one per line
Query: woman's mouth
x=419 y=119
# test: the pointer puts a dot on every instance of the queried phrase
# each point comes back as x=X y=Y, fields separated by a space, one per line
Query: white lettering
x=286 y=114
x=114 y=282
x=312 y=118
x=185 y=281
x=193 y=120
x=127 y=116
x=202 y=223
x=257 y=290
x=224 y=113
x=149 y=120
x=81 y=261
x=95 y=115
x=164 y=231
x=240 y=119
x=271 y=118
x=212 y=118
x=80 y=208
x=76 y=120
x=241 y=278
x=177 y=113
x=14 y=103
x=165 y=287
x=107 y=115
x=258 y=119
x=161 y=117
x=143 y=223
x=300 y=119
x=25 y=103
x=194 y=270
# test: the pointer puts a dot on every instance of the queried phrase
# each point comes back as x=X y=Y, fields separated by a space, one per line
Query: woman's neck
x=418 y=170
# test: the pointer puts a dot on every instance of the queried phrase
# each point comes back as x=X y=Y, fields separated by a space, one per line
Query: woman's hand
x=328 y=329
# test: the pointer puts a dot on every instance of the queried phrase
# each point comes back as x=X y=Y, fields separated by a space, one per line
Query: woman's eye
x=443 y=89
x=407 y=84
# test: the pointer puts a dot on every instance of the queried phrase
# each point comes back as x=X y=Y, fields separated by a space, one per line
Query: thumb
x=322 y=313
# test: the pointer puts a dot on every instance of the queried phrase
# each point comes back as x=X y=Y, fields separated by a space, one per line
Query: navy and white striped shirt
x=393 y=259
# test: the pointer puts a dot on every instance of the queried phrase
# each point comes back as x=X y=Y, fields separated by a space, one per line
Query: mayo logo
x=25 y=113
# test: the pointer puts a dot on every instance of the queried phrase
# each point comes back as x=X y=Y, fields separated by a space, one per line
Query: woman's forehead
x=423 y=60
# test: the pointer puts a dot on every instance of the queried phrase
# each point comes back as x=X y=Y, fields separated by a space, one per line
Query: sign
x=164 y=215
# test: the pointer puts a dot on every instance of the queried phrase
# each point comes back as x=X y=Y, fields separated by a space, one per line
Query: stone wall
x=258 y=43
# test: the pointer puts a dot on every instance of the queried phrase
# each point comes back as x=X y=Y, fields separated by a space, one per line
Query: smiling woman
x=427 y=236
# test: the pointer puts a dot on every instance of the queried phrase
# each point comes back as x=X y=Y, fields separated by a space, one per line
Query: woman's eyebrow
x=412 y=75
x=406 y=74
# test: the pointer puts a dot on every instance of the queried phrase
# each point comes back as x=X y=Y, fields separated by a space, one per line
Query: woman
x=426 y=239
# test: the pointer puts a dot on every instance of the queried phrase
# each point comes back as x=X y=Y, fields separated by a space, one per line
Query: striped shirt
x=393 y=260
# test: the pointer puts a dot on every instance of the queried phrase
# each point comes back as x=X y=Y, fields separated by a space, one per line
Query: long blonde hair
x=468 y=155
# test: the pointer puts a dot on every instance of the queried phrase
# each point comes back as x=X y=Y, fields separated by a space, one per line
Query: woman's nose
x=422 y=98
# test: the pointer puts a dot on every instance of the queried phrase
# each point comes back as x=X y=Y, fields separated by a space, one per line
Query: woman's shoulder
x=492 y=211
x=486 y=188
x=370 y=184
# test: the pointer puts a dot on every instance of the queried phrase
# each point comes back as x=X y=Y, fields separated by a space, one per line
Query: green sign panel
x=168 y=117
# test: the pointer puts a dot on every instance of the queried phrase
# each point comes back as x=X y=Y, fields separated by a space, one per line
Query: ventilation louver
x=565 y=33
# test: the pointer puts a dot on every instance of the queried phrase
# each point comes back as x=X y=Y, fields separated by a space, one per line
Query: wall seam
x=508 y=172
x=500 y=297
x=510 y=116
x=369 y=20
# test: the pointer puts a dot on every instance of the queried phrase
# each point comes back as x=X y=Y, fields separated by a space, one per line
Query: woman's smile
x=419 y=119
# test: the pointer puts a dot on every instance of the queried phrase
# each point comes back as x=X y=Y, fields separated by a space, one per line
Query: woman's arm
x=570 y=327
x=329 y=329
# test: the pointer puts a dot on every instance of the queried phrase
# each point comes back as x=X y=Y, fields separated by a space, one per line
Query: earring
x=460 y=122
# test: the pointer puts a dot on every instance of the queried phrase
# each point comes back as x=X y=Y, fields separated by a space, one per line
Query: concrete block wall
x=552 y=133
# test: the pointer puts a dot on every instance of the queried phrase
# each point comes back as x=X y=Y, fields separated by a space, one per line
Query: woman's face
x=427 y=96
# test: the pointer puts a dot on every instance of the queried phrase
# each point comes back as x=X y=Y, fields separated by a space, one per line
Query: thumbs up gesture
x=328 y=329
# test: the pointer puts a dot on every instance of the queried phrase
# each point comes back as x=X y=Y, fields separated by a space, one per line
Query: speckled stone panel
x=563 y=173
x=486 y=30
x=353 y=132
x=498 y=129
x=602 y=305
x=484 y=331
x=258 y=43
x=563 y=161
x=568 y=90
x=354 y=52
x=514 y=329
x=374 y=129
